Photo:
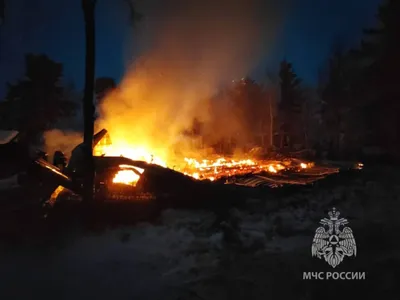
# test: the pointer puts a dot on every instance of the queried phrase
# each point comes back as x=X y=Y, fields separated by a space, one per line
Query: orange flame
x=127 y=175
x=222 y=167
x=135 y=153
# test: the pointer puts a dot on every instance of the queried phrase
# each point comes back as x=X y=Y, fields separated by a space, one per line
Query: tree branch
x=2 y=11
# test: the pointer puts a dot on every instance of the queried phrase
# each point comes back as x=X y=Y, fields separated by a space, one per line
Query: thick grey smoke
x=178 y=57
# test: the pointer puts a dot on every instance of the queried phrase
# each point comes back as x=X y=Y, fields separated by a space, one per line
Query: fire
x=202 y=169
x=150 y=112
x=272 y=169
x=211 y=169
x=127 y=175
x=223 y=167
x=134 y=153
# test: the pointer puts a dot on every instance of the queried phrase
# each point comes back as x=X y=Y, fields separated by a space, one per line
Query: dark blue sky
x=56 y=28
x=312 y=27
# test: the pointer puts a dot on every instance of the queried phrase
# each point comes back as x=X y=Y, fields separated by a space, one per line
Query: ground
x=182 y=257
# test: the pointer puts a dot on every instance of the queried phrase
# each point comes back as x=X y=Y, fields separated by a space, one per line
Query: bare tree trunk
x=2 y=11
x=271 y=122
x=88 y=7
x=306 y=119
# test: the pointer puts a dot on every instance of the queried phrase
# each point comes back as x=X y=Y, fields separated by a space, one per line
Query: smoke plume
x=58 y=140
x=185 y=51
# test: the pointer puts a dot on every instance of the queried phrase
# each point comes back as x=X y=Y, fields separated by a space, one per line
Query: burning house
x=137 y=172
x=166 y=131
x=284 y=170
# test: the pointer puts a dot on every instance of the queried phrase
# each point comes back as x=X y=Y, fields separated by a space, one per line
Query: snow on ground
x=182 y=257
x=138 y=262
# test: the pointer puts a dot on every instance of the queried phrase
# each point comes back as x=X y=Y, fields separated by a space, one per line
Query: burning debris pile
x=254 y=172
x=221 y=167
x=247 y=171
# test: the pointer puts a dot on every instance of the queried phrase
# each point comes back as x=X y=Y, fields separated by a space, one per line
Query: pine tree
x=291 y=100
x=290 y=88
x=379 y=52
x=37 y=101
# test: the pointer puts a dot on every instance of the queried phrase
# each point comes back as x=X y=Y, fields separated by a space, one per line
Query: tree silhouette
x=2 y=11
x=88 y=7
x=379 y=57
x=272 y=86
x=360 y=92
x=336 y=96
x=249 y=103
x=290 y=103
x=36 y=102
x=290 y=88
x=240 y=115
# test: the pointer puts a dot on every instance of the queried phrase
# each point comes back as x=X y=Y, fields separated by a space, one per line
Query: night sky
x=56 y=28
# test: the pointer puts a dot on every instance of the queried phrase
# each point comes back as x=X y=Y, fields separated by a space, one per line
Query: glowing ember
x=55 y=194
x=271 y=169
x=127 y=175
x=210 y=169
x=222 y=167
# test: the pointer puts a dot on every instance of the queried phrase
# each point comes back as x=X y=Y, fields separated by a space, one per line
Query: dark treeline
x=359 y=90
x=352 y=112
x=39 y=100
